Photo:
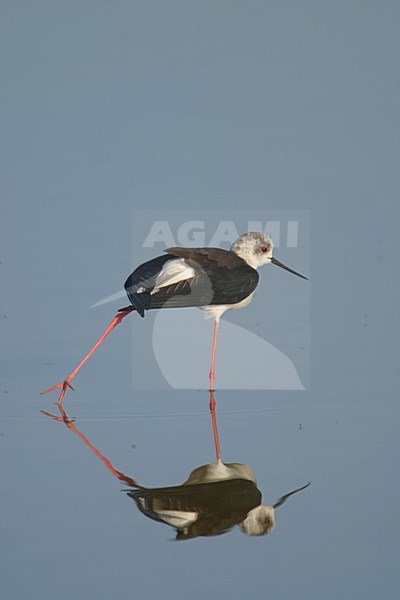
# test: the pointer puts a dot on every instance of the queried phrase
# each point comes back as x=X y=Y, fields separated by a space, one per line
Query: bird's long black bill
x=279 y=264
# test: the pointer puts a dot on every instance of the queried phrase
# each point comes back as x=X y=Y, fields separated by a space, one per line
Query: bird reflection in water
x=214 y=498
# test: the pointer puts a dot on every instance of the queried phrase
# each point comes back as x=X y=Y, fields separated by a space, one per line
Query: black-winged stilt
x=212 y=279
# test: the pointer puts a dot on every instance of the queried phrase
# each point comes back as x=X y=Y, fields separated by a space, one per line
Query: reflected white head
x=259 y=521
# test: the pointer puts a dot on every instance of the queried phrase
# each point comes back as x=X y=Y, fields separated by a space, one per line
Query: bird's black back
x=221 y=277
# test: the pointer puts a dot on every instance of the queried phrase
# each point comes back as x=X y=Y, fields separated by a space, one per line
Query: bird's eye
x=264 y=249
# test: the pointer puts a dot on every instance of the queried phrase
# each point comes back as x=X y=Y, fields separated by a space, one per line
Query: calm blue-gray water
x=128 y=127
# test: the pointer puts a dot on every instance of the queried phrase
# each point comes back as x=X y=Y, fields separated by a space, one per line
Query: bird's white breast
x=216 y=310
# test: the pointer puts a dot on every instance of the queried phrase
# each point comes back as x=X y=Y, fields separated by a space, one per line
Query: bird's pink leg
x=64 y=385
x=215 y=427
x=214 y=353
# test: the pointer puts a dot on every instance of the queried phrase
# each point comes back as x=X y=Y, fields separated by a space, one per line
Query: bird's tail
x=126 y=309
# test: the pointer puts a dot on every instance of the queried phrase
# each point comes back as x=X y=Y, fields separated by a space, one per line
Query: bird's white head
x=255 y=248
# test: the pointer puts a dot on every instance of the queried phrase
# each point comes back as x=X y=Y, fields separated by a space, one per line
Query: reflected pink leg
x=64 y=385
x=214 y=353
x=215 y=427
x=71 y=425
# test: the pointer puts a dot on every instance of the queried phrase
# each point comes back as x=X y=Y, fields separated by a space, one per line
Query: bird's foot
x=60 y=386
x=63 y=386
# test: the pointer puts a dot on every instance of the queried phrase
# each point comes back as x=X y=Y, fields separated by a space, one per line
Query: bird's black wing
x=143 y=279
x=220 y=277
